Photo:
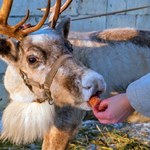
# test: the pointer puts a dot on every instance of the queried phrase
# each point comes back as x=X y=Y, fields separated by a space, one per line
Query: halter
x=48 y=80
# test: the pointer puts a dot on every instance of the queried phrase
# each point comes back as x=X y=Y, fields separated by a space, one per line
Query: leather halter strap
x=48 y=80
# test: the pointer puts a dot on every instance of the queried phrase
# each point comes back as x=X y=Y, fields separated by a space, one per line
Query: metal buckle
x=49 y=97
x=51 y=102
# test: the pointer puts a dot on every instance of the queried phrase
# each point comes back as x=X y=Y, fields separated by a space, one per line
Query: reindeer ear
x=8 y=50
x=64 y=26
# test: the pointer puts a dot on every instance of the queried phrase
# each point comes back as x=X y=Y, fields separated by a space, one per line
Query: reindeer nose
x=92 y=83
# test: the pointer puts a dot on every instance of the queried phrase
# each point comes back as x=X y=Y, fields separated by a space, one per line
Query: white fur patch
x=84 y=106
x=25 y=122
x=91 y=83
x=17 y=89
x=42 y=37
x=41 y=67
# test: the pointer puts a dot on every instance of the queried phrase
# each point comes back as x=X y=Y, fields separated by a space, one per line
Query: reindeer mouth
x=98 y=94
x=85 y=104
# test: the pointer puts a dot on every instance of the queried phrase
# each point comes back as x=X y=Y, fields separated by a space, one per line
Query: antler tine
x=18 y=25
x=56 y=10
x=15 y=31
x=44 y=9
x=65 y=6
x=5 y=11
x=52 y=8
x=39 y=25
x=55 y=14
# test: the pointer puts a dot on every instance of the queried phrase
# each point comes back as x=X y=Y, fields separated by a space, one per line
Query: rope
x=110 y=13
x=107 y=14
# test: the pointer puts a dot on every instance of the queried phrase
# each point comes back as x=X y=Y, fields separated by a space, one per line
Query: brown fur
x=56 y=143
x=117 y=34
x=7 y=49
x=138 y=37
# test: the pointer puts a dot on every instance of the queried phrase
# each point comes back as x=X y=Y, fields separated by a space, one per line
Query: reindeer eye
x=32 y=59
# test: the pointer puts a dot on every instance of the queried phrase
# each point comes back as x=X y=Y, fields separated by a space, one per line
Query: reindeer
x=111 y=52
x=48 y=87
x=121 y=55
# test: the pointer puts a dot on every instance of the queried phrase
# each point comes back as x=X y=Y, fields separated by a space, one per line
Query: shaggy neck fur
x=24 y=121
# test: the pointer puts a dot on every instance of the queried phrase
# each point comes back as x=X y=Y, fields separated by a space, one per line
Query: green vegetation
x=94 y=136
x=108 y=137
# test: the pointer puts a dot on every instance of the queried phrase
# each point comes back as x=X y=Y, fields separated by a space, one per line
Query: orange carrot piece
x=94 y=101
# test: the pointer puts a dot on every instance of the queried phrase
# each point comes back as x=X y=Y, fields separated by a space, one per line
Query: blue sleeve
x=138 y=94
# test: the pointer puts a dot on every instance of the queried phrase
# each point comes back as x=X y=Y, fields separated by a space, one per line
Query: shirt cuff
x=138 y=94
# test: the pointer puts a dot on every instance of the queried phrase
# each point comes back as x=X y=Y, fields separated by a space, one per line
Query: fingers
x=98 y=114
x=103 y=105
x=103 y=112
x=100 y=109
x=102 y=116
x=113 y=110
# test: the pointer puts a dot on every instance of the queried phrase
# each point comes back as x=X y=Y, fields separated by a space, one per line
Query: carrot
x=94 y=101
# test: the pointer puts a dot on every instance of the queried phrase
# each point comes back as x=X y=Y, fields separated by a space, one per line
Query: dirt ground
x=95 y=136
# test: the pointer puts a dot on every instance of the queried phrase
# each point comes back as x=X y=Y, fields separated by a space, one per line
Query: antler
x=65 y=6
x=56 y=11
x=55 y=14
x=15 y=31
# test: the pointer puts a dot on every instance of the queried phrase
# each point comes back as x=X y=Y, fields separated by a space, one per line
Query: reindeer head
x=42 y=69
x=37 y=52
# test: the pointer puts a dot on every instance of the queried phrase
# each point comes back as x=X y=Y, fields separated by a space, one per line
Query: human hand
x=113 y=110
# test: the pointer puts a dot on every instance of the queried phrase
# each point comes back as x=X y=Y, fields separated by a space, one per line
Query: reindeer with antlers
x=121 y=55
x=32 y=86
x=48 y=88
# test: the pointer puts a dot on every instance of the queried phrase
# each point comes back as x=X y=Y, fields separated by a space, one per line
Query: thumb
x=103 y=105
x=100 y=115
